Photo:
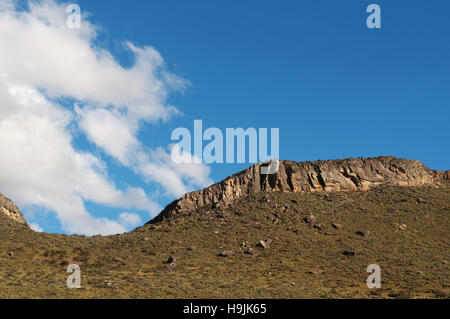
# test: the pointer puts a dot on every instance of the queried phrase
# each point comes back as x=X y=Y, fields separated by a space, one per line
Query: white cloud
x=36 y=227
x=74 y=67
x=130 y=220
x=116 y=136
x=41 y=167
x=7 y=5
x=109 y=129
x=42 y=59
x=178 y=179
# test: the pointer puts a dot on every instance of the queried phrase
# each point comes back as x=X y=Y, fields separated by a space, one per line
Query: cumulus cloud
x=42 y=60
x=112 y=132
x=109 y=129
x=41 y=167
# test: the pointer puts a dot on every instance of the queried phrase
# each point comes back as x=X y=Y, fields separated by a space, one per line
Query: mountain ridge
x=310 y=176
x=350 y=174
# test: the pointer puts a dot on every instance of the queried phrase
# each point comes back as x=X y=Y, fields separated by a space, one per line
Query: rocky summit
x=319 y=176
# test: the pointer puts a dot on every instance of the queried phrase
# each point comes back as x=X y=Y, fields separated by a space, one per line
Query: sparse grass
x=303 y=262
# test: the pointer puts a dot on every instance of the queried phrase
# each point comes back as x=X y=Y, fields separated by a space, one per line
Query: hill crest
x=350 y=174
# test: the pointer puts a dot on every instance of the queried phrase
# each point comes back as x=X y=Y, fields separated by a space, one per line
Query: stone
x=349 y=253
x=265 y=244
x=363 y=233
x=336 y=226
x=262 y=244
x=311 y=220
x=252 y=252
x=226 y=253
x=422 y=201
x=315 y=272
x=402 y=227
x=170 y=260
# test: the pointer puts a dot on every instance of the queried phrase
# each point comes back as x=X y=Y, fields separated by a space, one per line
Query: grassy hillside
x=305 y=259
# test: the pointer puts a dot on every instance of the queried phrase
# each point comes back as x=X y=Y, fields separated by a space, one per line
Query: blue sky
x=312 y=68
x=335 y=88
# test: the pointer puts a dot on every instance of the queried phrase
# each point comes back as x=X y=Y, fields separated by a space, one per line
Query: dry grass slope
x=305 y=260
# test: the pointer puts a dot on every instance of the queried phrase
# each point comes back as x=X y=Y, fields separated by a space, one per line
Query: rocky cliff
x=10 y=210
x=333 y=175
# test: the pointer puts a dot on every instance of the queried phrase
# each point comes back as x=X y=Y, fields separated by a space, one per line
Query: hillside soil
x=315 y=245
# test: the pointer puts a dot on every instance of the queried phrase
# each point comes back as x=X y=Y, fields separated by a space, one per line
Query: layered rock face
x=10 y=210
x=333 y=175
x=443 y=175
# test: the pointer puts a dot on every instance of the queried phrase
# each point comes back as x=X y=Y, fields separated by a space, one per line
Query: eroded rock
x=8 y=208
x=320 y=176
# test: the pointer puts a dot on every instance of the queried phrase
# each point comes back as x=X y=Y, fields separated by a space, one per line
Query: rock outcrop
x=443 y=175
x=333 y=175
x=10 y=210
